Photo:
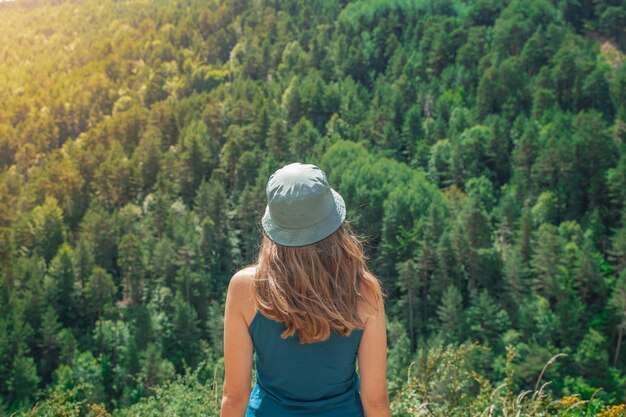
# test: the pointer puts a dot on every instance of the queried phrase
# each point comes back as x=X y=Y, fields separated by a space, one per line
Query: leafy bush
x=185 y=396
x=442 y=383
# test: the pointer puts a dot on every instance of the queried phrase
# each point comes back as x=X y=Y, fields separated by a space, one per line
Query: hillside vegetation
x=479 y=146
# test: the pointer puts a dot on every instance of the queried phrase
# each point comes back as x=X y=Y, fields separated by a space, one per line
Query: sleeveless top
x=313 y=379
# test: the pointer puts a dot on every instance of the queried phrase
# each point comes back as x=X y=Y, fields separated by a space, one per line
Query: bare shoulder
x=240 y=292
x=240 y=285
x=243 y=276
x=372 y=304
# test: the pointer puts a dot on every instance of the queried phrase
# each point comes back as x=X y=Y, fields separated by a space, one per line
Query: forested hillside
x=479 y=146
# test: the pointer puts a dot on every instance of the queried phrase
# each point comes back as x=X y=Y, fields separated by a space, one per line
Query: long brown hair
x=315 y=289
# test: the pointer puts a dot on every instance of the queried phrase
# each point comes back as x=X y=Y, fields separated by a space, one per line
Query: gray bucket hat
x=302 y=208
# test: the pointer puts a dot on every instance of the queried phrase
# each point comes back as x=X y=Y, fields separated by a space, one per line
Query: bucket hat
x=302 y=208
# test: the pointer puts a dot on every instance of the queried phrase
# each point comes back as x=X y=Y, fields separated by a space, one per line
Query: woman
x=309 y=308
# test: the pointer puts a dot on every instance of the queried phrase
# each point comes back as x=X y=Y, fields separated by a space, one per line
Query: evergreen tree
x=412 y=134
x=399 y=355
x=61 y=286
x=132 y=269
x=23 y=382
x=516 y=279
x=211 y=210
x=49 y=343
x=154 y=369
x=410 y=285
x=84 y=263
x=617 y=252
x=196 y=157
x=549 y=273
x=617 y=303
x=143 y=329
x=6 y=356
x=479 y=149
x=450 y=314
x=449 y=269
x=47 y=228
x=184 y=347
x=588 y=276
x=98 y=228
x=99 y=292
x=485 y=320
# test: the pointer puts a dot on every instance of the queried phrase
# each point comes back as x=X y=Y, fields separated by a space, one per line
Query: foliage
x=479 y=147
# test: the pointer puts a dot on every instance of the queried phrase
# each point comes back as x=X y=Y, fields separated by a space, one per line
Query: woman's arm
x=373 y=363
x=237 y=348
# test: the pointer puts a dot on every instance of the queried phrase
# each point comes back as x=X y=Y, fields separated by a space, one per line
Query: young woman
x=309 y=308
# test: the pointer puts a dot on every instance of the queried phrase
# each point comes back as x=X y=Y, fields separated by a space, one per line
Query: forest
x=479 y=146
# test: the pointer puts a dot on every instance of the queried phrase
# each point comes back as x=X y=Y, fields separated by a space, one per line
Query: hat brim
x=306 y=235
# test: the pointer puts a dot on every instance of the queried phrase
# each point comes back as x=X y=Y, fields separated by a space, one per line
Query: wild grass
x=441 y=382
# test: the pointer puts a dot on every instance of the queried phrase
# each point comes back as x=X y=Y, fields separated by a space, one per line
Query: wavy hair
x=315 y=289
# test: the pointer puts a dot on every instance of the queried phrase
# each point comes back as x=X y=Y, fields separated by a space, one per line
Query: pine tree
x=195 y=158
x=426 y=260
x=23 y=381
x=100 y=291
x=278 y=140
x=147 y=155
x=143 y=327
x=549 y=273
x=303 y=138
x=132 y=268
x=98 y=228
x=184 y=347
x=588 y=277
x=516 y=280
x=485 y=319
x=570 y=311
x=410 y=285
x=6 y=355
x=211 y=210
x=61 y=286
x=154 y=369
x=84 y=263
x=617 y=253
x=525 y=234
x=450 y=314
x=618 y=304
x=48 y=229
x=7 y=252
x=399 y=356
x=591 y=356
x=524 y=156
x=49 y=343
x=412 y=133
x=440 y=163
x=163 y=262
x=449 y=270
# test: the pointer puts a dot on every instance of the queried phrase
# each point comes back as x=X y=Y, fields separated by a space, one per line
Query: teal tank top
x=293 y=379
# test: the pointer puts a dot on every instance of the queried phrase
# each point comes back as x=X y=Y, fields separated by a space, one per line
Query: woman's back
x=308 y=310
x=295 y=379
